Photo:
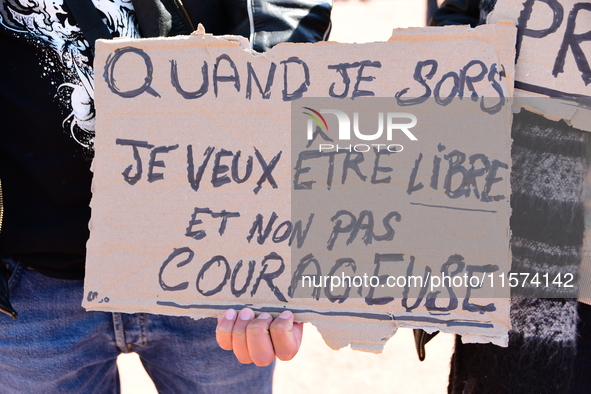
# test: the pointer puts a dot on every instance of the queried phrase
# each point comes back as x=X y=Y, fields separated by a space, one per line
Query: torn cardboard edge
x=546 y=66
x=374 y=325
x=575 y=114
x=371 y=330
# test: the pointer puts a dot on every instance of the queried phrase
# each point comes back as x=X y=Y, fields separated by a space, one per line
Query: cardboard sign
x=552 y=57
x=553 y=75
x=211 y=188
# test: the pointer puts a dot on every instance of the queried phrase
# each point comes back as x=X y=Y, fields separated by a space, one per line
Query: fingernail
x=285 y=315
x=246 y=314
x=264 y=316
x=230 y=314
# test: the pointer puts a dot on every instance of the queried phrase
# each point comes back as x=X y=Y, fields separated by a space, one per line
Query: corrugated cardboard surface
x=154 y=108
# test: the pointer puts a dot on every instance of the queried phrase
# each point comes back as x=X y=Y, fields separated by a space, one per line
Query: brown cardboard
x=553 y=57
x=138 y=222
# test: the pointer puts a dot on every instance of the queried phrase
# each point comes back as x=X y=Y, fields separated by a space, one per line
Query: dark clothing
x=456 y=12
x=547 y=231
x=268 y=23
x=44 y=165
x=581 y=380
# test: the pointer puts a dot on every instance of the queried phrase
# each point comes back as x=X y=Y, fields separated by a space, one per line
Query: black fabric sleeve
x=457 y=12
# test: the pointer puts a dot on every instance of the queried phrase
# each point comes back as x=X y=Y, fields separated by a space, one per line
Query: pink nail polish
x=230 y=314
x=246 y=314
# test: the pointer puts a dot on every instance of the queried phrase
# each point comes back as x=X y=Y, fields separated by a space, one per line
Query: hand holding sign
x=259 y=340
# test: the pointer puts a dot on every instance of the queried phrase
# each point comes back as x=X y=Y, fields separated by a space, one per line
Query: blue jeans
x=56 y=346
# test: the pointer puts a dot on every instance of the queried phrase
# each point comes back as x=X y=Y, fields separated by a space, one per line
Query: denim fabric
x=55 y=346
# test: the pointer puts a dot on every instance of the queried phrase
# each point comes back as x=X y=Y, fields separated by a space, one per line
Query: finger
x=286 y=336
x=260 y=346
x=239 y=336
x=223 y=332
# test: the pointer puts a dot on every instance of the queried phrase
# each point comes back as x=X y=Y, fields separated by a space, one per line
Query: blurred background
x=317 y=368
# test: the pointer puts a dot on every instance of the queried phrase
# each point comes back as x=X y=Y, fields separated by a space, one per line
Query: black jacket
x=265 y=23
